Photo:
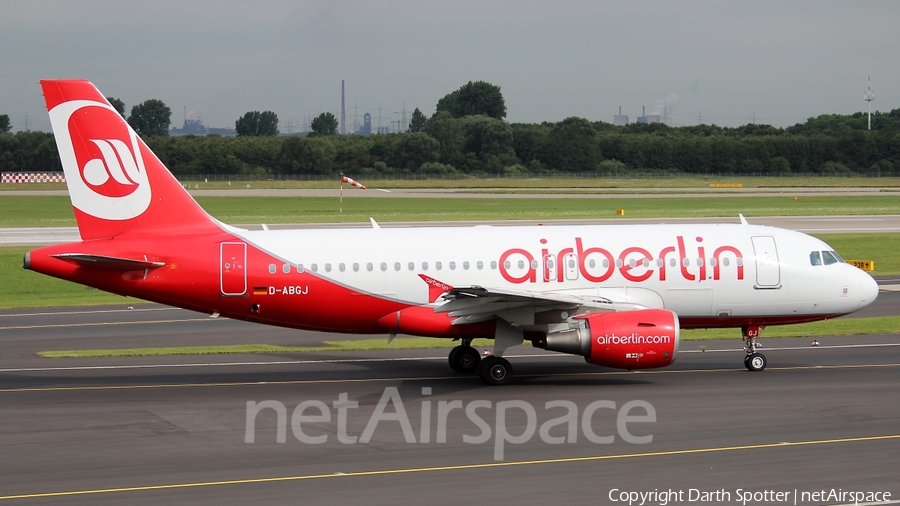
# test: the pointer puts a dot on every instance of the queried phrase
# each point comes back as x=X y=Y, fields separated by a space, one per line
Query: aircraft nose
x=868 y=290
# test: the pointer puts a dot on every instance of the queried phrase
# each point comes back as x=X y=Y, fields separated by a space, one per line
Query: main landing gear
x=464 y=359
x=753 y=360
x=493 y=369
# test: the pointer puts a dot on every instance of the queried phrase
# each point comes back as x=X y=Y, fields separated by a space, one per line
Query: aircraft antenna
x=869 y=97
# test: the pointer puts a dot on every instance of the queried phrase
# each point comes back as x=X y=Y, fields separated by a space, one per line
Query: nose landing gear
x=753 y=360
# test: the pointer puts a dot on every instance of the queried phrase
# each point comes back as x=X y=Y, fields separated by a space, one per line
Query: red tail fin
x=115 y=182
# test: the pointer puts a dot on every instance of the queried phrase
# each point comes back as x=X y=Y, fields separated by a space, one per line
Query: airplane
x=618 y=295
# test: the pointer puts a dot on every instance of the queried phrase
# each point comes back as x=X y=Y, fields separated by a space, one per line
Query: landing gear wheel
x=495 y=371
x=464 y=359
x=755 y=362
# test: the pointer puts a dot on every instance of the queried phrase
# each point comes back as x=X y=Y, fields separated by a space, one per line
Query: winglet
x=374 y=223
x=743 y=220
x=435 y=288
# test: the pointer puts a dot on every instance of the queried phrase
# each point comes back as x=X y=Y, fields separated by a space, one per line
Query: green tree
x=488 y=144
x=416 y=149
x=307 y=155
x=449 y=133
x=5 y=125
x=248 y=124
x=572 y=146
x=151 y=117
x=117 y=104
x=257 y=124
x=479 y=97
x=268 y=124
x=324 y=124
x=418 y=121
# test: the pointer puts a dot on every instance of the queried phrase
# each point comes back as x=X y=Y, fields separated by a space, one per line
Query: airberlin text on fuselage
x=635 y=264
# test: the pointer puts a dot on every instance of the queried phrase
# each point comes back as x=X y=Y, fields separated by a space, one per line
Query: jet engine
x=640 y=339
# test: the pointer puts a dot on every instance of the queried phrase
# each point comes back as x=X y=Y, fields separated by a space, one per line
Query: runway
x=174 y=430
x=39 y=236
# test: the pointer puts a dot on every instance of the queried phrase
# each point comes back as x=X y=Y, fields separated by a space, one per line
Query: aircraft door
x=233 y=269
x=768 y=271
x=570 y=262
x=550 y=268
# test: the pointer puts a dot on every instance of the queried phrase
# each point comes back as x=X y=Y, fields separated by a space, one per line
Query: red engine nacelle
x=641 y=339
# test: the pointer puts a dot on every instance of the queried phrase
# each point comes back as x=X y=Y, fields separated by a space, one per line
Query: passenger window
x=494 y=264
x=828 y=258
x=605 y=263
x=592 y=263
x=466 y=265
x=384 y=266
x=355 y=267
x=327 y=267
x=632 y=263
x=571 y=264
x=480 y=265
x=342 y=267
x=506 y=265
x=286 y=268
x=521 y=264
x=815 y=258
x=315 y=267
x=672 y=262
x=712 y=262
x=412 y=266
x=396 y=266
x=438 y=265
x=272 y=268
x=739 y=261
x=452 y=266
x=659 y=262
x=725 y=261
x=424 y=266
x=300 y=268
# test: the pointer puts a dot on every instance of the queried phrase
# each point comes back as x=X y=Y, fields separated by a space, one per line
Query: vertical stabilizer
x=115 y=182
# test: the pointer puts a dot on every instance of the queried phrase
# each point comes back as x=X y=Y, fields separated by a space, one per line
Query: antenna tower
x=869 y=97
x=343 y=112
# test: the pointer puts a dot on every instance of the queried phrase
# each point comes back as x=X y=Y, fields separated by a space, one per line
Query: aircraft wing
x=473 y=304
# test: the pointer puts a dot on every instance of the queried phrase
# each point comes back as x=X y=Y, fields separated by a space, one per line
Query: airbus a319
x=617 y=295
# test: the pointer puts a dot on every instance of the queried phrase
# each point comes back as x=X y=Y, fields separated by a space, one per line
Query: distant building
x=653 y=118
x=619 y=119
x=366 y=127
x=196 y=127
x=191 y=127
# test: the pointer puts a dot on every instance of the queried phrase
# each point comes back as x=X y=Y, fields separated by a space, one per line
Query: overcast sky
x=783 y=61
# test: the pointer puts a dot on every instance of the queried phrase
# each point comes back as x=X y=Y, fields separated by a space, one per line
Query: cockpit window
x=829 y=258
x=841 y=260
x=815 y=258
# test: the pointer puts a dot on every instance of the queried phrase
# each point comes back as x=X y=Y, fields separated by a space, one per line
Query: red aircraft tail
x=115 y=182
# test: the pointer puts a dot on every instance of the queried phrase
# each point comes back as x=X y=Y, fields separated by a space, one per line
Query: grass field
x=43 y=211
x=683 y=181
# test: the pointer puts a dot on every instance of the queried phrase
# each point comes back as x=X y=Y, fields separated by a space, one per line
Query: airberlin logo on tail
x=102 y=160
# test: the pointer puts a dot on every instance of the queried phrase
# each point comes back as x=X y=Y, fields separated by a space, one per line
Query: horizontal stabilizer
x=111 y=263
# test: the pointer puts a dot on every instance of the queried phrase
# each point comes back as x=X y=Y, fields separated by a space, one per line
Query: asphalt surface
x=38 y=236
x=174 y=430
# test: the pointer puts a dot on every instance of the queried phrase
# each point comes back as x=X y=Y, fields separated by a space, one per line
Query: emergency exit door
x=233 y=269
x=768 y=271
